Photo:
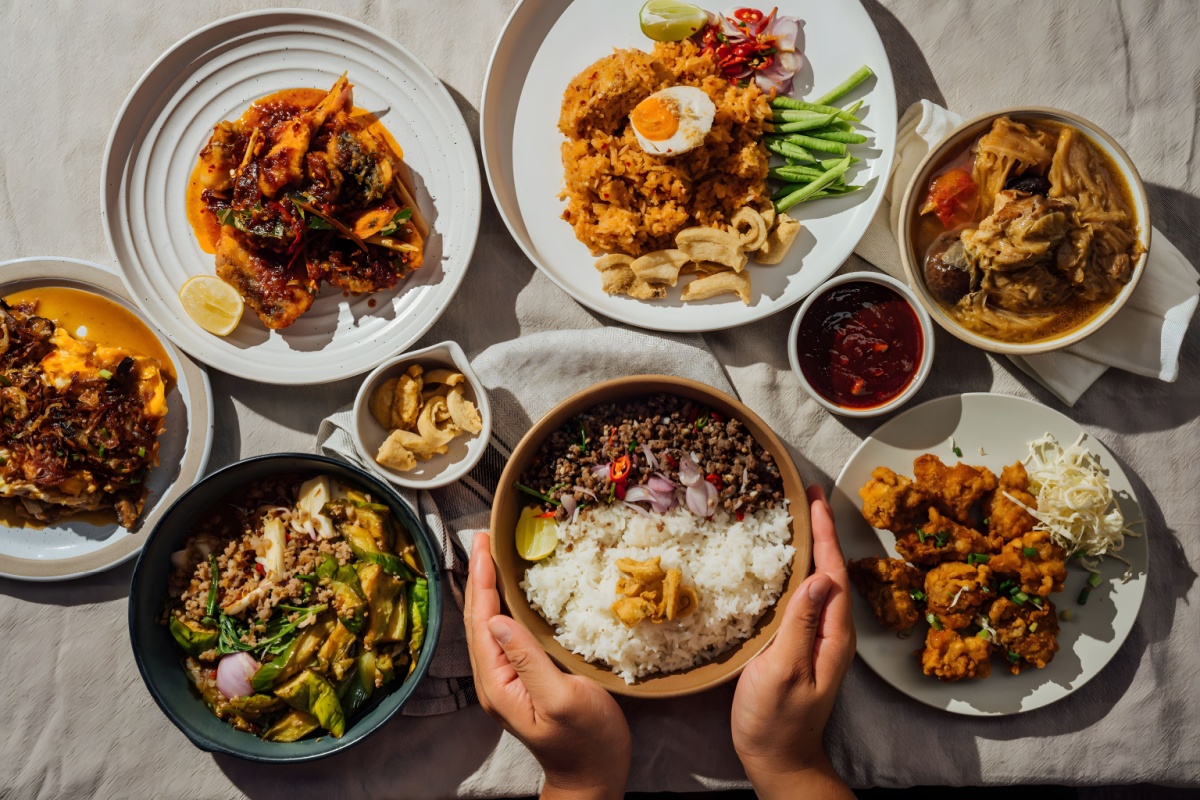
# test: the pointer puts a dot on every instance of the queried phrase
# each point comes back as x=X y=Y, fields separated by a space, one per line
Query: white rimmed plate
x=74 y=548
x=1002 y=426
x=214 y=74
x=547 y=42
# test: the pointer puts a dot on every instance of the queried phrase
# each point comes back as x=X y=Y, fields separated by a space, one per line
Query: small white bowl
x=465 y=450
x=926 y=351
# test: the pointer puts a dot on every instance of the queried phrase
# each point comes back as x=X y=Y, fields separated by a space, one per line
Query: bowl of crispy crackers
x=422 y=419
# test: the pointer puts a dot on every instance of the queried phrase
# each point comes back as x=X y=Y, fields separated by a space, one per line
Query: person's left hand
x=574 y=728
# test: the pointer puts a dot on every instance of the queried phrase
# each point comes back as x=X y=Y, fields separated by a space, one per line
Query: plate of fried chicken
x=967 y=596
x=315 y=166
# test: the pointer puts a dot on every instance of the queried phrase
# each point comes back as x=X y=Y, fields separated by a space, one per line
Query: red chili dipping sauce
x=860 y=344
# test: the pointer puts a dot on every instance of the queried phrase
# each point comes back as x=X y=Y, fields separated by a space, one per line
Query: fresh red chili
x=545 y=515
x=259 y=569
x=620 y=469
x=670 y=459
x=714 y=479
x=621 y=490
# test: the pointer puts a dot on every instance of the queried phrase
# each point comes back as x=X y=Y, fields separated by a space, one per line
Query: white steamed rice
x=736 y=567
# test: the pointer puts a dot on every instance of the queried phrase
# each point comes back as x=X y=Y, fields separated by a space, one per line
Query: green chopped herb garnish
x=978 y=558
x=1037 y=601
x=1019 y=598
x=1013 y=657
x=941 y=537
x=106 y=374
x=958 y=451
x=1094 y=580
x=1033 y=627
x=921 y=535
x=984 y=635
x=932 y=619
x=1083 y=595
x=916 y=594
x=987 y=520
x=1030 y=552
x=141 y=452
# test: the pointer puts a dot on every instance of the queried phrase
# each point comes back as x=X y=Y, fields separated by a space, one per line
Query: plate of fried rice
x=576 y=185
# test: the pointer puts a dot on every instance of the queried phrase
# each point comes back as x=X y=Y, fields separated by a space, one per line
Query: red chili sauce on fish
x=860 y=344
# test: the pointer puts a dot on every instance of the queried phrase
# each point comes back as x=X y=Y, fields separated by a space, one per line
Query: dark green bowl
x=159 y=659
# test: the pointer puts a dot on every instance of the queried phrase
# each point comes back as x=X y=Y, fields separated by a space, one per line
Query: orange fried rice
x=619 y=198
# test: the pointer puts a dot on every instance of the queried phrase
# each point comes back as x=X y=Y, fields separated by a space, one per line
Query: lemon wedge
x=537 y=536
x=671 y=21
x=212 y=304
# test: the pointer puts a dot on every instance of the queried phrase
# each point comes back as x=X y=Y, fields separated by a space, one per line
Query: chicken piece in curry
x=304 y=189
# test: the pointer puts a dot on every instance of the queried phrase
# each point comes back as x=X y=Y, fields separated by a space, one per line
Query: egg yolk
x=655 y=119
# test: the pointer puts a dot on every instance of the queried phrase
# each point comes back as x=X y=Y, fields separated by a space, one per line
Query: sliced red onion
x=582 y=490
x=660 y=485
x=233 y=675
x=639 y=494
x=663 y=503
x=651 y=461
x=601 y=471
x=689 y=471
x=697 y=499
x=638 y=509
x=568 y=503
x=745 y=479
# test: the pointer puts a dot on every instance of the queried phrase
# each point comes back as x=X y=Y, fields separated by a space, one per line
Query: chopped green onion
x=103 y=450
x=932 y=619
x=106 y=374
x=987 y=520
x=1083 y=595
x=958 y=451
x=1037 y=601
x=916 y=594
x=1094 y=580
x=978 y=558
x=535 y=493
x=984 y=635
x=941 y=537
x=1013 y=657
x=1030 y=552
x=1033 y=627
x=1019 y=598
x=1066 y=615
x=141 y=452
x=921 y=535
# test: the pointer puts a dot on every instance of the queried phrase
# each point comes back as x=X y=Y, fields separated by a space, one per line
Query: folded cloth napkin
x=524 y=378
x=1144 y=337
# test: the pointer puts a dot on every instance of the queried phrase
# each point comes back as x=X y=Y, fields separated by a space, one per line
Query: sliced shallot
x=233 y=675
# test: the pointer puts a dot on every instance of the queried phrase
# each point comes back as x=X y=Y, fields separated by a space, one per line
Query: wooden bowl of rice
x=511 y=568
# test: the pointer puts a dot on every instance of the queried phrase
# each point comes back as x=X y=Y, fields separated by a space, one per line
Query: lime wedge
x=671 y=21
x=537 y=536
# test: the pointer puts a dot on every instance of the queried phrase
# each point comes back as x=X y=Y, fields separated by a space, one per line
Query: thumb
x=535 y=669
x=798 y=631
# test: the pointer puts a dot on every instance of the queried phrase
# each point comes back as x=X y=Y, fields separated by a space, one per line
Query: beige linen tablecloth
x=75 y=719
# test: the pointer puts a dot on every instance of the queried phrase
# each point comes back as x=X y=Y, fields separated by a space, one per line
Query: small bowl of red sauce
x=861 y=344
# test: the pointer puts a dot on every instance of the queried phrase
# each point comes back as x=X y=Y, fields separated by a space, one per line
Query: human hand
x=786 y=693
x=574 y=728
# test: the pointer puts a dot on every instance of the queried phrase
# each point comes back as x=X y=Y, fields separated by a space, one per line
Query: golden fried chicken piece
x=1005 y=519
x=1034 y=559
x=891 y=502
x=1025 y=633
x=941 y=539
x=276 y=292
x=955 y=592
x=951 y=656
x=284 y=162
x=887 y=583
x=954 y=489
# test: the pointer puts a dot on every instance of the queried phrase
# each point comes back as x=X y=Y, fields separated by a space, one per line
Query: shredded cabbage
x=1075 y=504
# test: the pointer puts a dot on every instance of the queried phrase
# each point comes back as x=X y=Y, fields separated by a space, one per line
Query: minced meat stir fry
x=295 y=601
x=656 y=450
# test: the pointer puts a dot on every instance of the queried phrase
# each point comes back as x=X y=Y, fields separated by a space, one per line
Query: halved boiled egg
x=673 y=121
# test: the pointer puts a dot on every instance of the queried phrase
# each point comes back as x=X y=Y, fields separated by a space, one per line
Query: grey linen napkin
x=524 y=378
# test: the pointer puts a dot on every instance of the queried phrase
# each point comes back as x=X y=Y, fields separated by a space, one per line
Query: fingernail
x=818 y=587
x=500 y=630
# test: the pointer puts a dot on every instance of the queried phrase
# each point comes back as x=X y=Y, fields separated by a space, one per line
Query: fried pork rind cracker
x=891 y=502
x=1025 y=633
x=751 y=228
x=888 y=583
x=660 y=267
x=950 y=656
x=720 y=283
x=954 y=593
x=955 y=489
x=650 y=592
x=711 y=244
x=1035 y=560
x=422 y=422
x=779 y=241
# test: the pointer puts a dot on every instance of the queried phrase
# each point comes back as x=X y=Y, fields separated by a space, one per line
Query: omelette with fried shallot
x=81 y=420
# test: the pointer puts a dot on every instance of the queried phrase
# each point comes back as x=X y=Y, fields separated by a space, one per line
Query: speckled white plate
x=74 y=548
x=546 y=43
x=215 y=74
x=1002 y=426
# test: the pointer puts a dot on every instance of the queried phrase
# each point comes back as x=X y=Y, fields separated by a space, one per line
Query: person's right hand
x=786 y=693
x=574 y=728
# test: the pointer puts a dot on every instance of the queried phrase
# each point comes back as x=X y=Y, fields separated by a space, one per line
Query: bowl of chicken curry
x=1024 y=230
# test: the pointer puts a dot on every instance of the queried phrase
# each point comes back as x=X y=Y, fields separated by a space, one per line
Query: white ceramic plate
x=74 y=548
x=1002 y=426
x=547 y=42
x=215 y=74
